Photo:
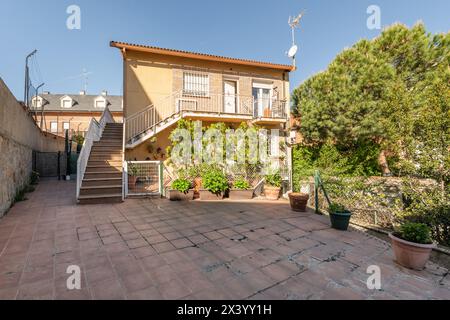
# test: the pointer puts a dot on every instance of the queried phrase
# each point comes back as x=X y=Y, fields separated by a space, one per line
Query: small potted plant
x=412 y=245
x=181 y=190
x=339 y=216
x=133 y=173
x=215 y=185
x=241 y=190
x=272 y=186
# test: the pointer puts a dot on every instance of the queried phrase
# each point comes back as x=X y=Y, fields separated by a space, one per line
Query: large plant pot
x=340 y=220
x=175 y=195
x=272 y=193
x=236 y=194
x=197 y=184
x=132 y=181
x=208 y=195
x=299 y=201
x=409 y=254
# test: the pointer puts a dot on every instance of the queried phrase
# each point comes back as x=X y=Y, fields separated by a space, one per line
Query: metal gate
x=143 y=178
x=50 y=164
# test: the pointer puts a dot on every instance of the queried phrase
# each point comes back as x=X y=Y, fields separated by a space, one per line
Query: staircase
x=102 y=181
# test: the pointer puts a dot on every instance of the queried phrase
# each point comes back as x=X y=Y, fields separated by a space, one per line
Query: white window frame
x=260 y=86
x=100 y=99
x=64 y=126
x=66 y=99
x=37 y=102
x=196 y=84
x=51 y=126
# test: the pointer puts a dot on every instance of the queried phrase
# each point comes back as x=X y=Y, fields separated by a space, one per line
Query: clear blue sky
x=255 y=29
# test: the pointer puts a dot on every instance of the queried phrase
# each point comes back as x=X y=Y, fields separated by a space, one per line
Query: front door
x=230 y=91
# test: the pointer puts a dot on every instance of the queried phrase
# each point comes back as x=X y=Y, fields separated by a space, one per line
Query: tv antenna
x=294 y=23
x=85 y=76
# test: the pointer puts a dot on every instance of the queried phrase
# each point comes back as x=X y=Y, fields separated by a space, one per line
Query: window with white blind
x=196 y=84
x=53 y=127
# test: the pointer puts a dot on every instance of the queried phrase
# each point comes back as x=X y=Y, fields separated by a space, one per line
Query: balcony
x=212 y=107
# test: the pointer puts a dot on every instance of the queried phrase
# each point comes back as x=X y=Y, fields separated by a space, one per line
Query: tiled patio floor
x=156 y=249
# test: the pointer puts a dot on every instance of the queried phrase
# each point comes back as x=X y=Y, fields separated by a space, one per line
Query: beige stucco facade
x=151 y=79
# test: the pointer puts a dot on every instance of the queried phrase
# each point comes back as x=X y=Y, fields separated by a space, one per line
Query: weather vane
x=294 y=22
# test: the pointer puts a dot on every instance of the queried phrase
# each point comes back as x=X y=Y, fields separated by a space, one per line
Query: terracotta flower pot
x=236 y=194
x=132 y=181
x=175 y=195
x=197 y=184
x=272 y=193
x=409 y=254
x=298 y=201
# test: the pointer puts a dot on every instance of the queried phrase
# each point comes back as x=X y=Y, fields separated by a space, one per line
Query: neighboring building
x=60 y=112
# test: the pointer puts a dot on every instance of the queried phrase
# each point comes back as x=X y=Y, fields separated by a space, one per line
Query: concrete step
x=100 y=182
x=102 y=153
x=99 y=190
x=104 y=174
x=108 y=142
x=101 y=198
x=111 y=149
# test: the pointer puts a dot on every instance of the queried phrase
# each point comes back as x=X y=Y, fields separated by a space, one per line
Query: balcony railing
x=214 y=104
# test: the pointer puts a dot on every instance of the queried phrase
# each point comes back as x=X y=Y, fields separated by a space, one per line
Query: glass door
x=262 y=101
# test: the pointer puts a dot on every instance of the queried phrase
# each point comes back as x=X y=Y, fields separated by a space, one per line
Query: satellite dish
x=292 y=51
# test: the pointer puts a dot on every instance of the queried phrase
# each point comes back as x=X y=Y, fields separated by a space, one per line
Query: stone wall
x=19 y=136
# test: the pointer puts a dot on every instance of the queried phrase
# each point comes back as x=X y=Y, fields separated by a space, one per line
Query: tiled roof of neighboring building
x=200 y=56
x=81 y=103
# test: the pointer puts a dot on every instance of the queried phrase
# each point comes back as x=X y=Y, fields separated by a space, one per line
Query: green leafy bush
x=134 y=170
x=181 y=185
x=241 y=184
x=215 y=181
x=274 y=179
x=34 y=178
x=415 y=232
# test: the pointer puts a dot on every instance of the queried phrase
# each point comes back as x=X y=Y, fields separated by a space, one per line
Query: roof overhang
x=124 y=47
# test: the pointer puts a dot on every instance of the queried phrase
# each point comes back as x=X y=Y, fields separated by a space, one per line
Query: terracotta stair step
x=105 y=174
x=100 y=182
x=102 y=168
x=101 y=198
x=112 y=163
x=99 y=190
x=105 y=157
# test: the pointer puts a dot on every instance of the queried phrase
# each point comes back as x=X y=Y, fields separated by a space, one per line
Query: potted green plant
x=79 y=139
x=339 y=216
x=215 y=185
x=133 y=174
x=412 y=245
x=272 y=186
x=180 y=190
x=241 y=190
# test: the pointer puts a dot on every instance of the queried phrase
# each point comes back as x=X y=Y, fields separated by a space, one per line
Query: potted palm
x=272 y=186
x=181 y=190
x=215 y=185
x=339 y=216
x=241 y=190
x=412 y=245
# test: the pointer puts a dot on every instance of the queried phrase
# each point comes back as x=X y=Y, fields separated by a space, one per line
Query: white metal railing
x=221 y=104
x=143 y=178
x=93 y=134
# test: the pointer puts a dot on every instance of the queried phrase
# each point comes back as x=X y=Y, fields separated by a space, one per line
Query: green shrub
x=34 y=178
x=20 y=195
x=215 y=181
x=181 y=185
x=274 y=179
x=337 y=208
x=415 y=232
x=241 y=184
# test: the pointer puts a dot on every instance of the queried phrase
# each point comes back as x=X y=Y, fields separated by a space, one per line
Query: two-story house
x=162 y=86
